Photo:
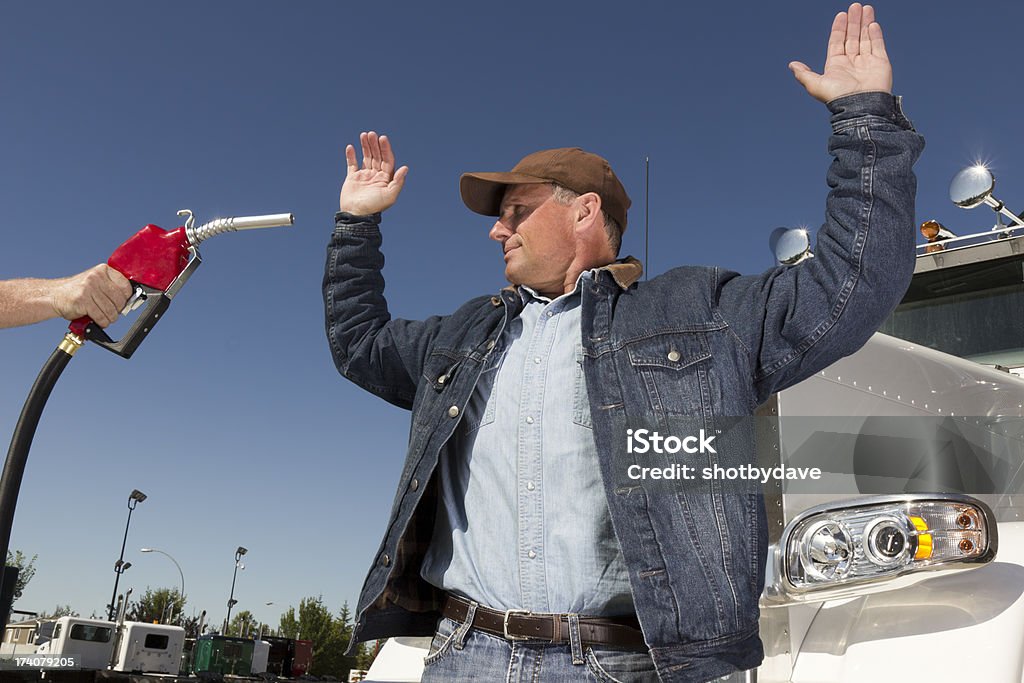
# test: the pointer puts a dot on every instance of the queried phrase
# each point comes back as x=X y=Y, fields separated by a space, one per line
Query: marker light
x=881 y=538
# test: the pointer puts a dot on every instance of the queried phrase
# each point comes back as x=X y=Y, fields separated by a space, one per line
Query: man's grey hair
x=565 y=196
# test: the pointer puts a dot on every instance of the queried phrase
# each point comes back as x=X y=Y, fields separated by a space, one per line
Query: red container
x=303 y=657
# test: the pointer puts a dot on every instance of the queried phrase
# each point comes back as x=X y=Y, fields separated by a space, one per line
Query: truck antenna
x=647 y=201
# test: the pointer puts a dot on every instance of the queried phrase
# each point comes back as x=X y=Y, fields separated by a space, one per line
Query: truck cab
x=907 y=562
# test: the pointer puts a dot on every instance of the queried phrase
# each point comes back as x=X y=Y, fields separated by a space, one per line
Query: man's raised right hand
x=375 y=186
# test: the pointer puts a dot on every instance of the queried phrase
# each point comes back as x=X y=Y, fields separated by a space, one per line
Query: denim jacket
x=695 y=343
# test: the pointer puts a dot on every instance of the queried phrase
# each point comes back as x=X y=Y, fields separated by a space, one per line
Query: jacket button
x=453 y=411
x=414 y=484
x=442 y=379
x=673 y=355
x=490 y=345
x=385 y=560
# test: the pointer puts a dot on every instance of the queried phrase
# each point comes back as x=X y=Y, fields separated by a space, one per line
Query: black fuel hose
x=21 y=442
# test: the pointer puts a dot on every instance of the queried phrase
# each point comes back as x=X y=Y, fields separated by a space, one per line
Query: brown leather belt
x=619 y=632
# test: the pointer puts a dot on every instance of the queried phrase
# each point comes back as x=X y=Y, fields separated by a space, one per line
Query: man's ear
x=588 y=211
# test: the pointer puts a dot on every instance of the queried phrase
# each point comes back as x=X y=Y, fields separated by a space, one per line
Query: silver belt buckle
x=504 y=623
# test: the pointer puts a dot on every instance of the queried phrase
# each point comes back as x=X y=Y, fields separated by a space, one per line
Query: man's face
x=537 y=236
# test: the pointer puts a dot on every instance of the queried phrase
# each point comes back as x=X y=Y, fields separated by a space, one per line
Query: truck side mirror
x=790 y=245
x=971 y=186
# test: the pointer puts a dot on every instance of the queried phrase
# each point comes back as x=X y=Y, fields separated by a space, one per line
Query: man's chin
x=512 y=276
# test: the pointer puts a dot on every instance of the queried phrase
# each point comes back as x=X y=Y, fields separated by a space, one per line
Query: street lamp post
x=231 y=600
x=120 y=566
x=180 y=573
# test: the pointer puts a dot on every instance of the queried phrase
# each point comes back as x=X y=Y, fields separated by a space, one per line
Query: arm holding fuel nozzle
x=99 y=292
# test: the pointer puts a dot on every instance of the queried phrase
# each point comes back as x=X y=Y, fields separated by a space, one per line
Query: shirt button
x=414 y=484
x=385 y=560
x=531 y=554
x=550 y=313
x=673 y=355
x=530 y=486
x=529 y=420
x=453 y=411
x=537 y=360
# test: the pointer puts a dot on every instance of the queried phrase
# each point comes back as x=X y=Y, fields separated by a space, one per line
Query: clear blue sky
x=231 y=416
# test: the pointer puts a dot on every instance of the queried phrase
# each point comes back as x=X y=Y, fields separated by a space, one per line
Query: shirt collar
x=624 y=272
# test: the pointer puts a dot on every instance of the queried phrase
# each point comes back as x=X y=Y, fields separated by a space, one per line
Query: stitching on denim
x=511 y=661
x=704 y=564
x=357 y=230
x=725 y=540
x=598 y=670
x=442 y=649
x=463 y=630
x=716 y=311
x=336 y=345
x=575 y=643
x=846 y=291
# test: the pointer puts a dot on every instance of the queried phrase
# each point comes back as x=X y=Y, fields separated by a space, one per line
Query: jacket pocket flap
x=672 y=351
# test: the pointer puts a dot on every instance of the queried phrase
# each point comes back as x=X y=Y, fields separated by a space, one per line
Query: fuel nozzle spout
x=221 y=225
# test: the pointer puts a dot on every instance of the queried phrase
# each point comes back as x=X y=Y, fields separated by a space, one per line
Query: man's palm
x=856 y=61
x=375 y=186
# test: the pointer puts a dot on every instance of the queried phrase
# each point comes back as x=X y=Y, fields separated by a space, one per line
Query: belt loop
x=575 y=643
x=460 y=633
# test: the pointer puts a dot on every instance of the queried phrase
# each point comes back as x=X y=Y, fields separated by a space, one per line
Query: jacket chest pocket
x=444 y=367
x=672 y=370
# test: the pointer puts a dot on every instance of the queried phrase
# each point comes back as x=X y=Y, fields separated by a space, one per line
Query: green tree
x=162 y=605
x=60 y=611
x=289 y=624
x=366 y=653
x=329 y=634
x=26 y=570
x=242 y=624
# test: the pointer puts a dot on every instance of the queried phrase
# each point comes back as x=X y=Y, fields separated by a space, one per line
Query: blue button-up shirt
x=522 y=520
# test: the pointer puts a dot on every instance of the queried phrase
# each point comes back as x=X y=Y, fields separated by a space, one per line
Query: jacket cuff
x=343 y=219
x=350 y=224
x=880 y=105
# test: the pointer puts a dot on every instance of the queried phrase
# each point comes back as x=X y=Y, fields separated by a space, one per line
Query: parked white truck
x=905 y=561
x=127 y=646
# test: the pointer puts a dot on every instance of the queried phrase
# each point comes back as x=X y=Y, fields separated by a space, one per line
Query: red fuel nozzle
x=158 y=262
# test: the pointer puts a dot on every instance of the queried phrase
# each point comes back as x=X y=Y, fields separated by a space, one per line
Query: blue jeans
x=459 y=654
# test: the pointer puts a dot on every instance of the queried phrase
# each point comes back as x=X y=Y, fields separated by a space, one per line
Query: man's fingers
x=853 y=30
x=374 y=144
x=398 y=181
x=803 y=74
x=120 y=287
x=387 y=155
x=877 y=41
x=350 y=159
x=867 y=18
x=102 y=309
x=364 y=143
x=837 y=39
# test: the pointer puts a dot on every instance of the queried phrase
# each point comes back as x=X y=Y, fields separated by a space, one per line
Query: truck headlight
x=868 y=540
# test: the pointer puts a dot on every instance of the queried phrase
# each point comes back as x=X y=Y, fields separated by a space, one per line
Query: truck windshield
x=975 y=311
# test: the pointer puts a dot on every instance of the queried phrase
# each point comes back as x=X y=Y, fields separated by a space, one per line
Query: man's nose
x=499 y=232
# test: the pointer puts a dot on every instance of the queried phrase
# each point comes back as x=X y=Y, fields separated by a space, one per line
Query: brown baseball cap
x=570 y=167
